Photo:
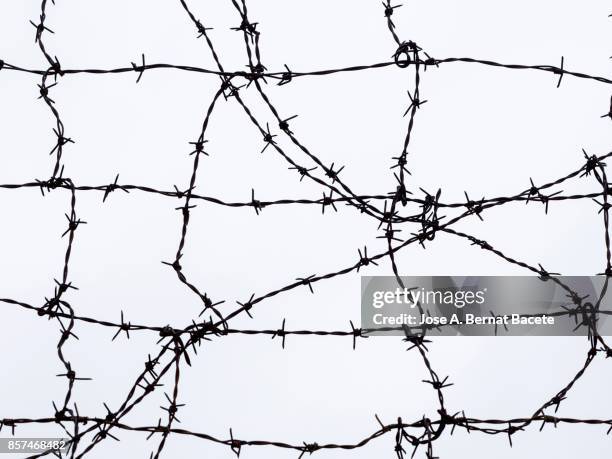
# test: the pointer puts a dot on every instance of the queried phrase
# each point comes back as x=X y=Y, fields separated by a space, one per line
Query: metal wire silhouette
x=177 y=346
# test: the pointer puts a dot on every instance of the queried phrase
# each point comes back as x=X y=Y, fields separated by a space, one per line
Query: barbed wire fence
x=392 y=210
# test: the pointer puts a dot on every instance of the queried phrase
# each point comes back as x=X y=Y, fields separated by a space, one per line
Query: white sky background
x=483 y=130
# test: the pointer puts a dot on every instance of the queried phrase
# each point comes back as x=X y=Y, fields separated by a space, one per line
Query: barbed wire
x=178 y=345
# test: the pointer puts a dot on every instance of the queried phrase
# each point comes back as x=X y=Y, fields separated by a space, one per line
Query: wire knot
x=406 y=54
x=592 y=163
x=168 y=331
